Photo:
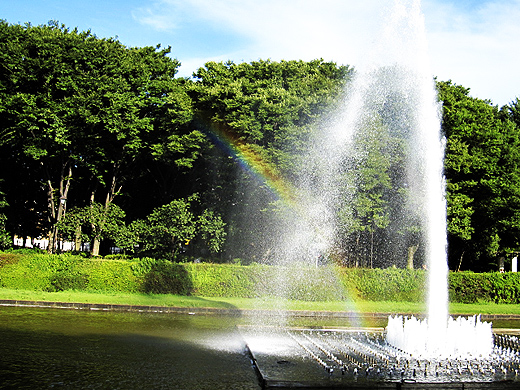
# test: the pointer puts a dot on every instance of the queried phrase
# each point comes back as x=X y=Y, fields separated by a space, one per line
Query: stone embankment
x=219 y=311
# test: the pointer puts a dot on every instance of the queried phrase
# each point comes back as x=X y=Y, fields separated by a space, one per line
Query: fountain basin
x=363 y=359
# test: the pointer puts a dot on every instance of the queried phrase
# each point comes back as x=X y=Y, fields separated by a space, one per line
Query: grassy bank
x=55 y=273
x=38 y=276
x=170 y=300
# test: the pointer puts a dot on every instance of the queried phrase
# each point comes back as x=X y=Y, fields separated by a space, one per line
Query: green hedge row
x=469 y=287
x=37 y=271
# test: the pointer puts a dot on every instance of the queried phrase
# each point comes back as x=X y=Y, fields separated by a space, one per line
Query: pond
x=53 y=348
x=42 y=348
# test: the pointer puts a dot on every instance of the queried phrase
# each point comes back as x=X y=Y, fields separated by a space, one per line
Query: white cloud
x=304 y=29
x=150 y=18
x=474 y=46
x=276 y=28
x=477 y=47
x=163 y=15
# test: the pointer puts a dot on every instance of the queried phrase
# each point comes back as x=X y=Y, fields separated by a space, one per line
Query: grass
x=484 y=308
x=247 y=303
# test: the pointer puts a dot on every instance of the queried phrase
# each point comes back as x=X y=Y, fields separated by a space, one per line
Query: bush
x=35 y=271
x=162 y=277
x=110 y=275
x=312 y=284
x=226 y=280
x=8 y=258
x=66 y=280
x=117 y=256
x=391 y=284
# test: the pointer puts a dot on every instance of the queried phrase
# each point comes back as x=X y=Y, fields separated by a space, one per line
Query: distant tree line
x=102 y=143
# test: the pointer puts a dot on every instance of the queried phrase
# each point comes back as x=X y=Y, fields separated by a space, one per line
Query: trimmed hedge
x=390 y=284
x=37 y=271
x=469 y=287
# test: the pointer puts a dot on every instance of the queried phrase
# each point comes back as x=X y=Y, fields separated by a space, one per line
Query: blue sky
x=475 y=43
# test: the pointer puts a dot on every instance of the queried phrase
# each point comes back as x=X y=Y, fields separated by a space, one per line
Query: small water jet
x=465 y=338
x=365 y=360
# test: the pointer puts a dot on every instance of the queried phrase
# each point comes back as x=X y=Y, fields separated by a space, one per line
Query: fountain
x=461 y=338
x=437 y=335
x=364 y=359
x=395 y=92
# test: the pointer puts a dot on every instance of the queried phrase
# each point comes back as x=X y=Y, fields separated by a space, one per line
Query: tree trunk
x=77 y=239
x=51 y=217
x=56 y=213
x=111 y=194
x=95 y=246
x=460 y=262
x=372 y=249
x=356 y=253
x=411 y=252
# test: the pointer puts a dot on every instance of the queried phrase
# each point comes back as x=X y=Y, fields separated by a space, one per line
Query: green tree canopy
x=171 y=228
x=86 y=111
x=482 y=161
x=268 y=110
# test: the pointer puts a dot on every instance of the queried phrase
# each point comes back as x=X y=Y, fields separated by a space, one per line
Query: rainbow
x=267 y=175
x=251 y=161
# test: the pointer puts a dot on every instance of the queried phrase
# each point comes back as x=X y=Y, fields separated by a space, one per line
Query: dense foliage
x=102 y=143
x=482 y=169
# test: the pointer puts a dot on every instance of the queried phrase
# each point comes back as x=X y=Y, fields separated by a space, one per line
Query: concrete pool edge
x=221 y=311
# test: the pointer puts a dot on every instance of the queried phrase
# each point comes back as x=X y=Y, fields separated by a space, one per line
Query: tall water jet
x=404 y=44
x=392 y=112
x=380 y=165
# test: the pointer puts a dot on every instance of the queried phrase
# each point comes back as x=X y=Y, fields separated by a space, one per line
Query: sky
x=474 y=43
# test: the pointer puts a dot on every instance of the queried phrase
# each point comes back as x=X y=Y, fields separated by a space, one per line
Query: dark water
x=81 y=349
x=72 y=349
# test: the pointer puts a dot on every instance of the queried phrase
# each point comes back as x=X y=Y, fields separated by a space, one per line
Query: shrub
x=312 y=284
x=219 y=280
x=9 y=258
x=117 y=256
x=109 y=275
x=36 y=271
x=162 y=277
x=469 y=287
x=66 y=280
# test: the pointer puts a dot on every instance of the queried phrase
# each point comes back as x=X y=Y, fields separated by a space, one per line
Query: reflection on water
x=47 y=348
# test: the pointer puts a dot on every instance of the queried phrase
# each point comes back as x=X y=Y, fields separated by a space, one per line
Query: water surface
x=79 y=349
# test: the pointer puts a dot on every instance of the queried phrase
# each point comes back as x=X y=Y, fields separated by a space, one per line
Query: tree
x=481 y=166
x=83 y=111
x=136 y=113
x=258 y=115
x=511 y=111
x=378 y=209
x=373 y=205
x=5 y=238
x=71 y=226
x=170 y=228
x=94 y=223
x=105 y=221
x=39 y=118
x=212 y=230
